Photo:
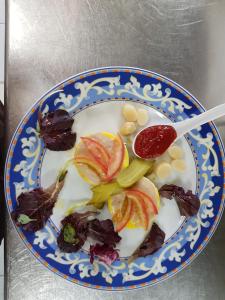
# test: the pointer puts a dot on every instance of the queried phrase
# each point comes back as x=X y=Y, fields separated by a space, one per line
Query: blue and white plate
x=95 y=98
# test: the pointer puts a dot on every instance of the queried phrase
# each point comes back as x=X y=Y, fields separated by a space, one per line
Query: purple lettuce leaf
x=187 y=202
x=55 y=129
x=105 y=253
x=152 y=242
x=103 y=231
x=35 y=207
x=74 y=231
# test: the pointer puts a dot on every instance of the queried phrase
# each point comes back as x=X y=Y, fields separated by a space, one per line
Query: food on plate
x=129 y=112
x=122 y=212
x=187 y=202
x=35 y=207
x=74 y=231
x=153 y=141
x=135 y=207
x=142 y=116
x=152 y=242
x=128 y=128
x=116 y=177
x=77 y=227
x=163 y=170
x=103 y=231
x=175 y=152
x=105 y=253
x=135 y=171
x=99 y=158
x=179 y=165
x=133 y=118
x=55 y=130
x=102 y=192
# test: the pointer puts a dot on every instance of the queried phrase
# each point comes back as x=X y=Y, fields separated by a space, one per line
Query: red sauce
x=154 y=141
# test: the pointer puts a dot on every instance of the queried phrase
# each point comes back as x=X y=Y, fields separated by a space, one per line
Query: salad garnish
x=187 y=202
x=77 y=227
x=152 y=242
x=116 y=178
x=35 y=207
x=74 y=231
x=55 y=129
x=105 y=253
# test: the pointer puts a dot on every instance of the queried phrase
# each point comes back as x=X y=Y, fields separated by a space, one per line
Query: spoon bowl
x=167 y=134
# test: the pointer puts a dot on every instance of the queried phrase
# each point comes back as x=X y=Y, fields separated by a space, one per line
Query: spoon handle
x=189 y=124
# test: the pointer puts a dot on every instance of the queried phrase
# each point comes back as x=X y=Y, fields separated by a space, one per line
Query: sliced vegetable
x=105 y=253
x=88 y=174
x=117 y=158
x=122 y=216
x=187 y=202
x=146 y=198
x=92 y=164
x=104 y=153
x=147 y=186
x=134 y=172
x=98 y=151
x=35 y=207
x=102 y=192
x=140 y=215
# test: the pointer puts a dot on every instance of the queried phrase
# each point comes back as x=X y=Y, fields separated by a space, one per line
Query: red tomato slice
x=92 y=164
x=98 y=151
x=123 y=215
x=140 y=210
x=117 y=157
x=145 y=197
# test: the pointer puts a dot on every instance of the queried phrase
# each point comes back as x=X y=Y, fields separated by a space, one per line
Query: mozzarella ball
x=179 y=165
x=163 y=170
x=175 y=152
x=142 y=116
x=128 y=128
x=130 y=113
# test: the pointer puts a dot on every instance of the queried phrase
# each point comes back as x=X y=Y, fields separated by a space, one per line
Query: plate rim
x=120 y=288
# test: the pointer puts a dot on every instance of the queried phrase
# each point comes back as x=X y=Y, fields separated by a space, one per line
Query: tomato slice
x=123 y=215
x=146 y=198
x=98 y=151
x=117 y=158
x=88 y=174
x=140 y=215
x=92 y=164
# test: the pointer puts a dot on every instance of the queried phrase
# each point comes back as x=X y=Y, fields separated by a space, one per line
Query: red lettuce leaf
x=55 y=129
x=187 y=202
x=81 y=228
x=79 y=223
x=59 y=141
x=104 y=253
x=35 y=207
x=152 y=242
x=103 y=231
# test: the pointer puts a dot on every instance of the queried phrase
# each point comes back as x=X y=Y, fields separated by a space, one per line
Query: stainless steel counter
x=49 y=40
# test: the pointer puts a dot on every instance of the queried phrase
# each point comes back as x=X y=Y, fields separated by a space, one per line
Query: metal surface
x=49 y=40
